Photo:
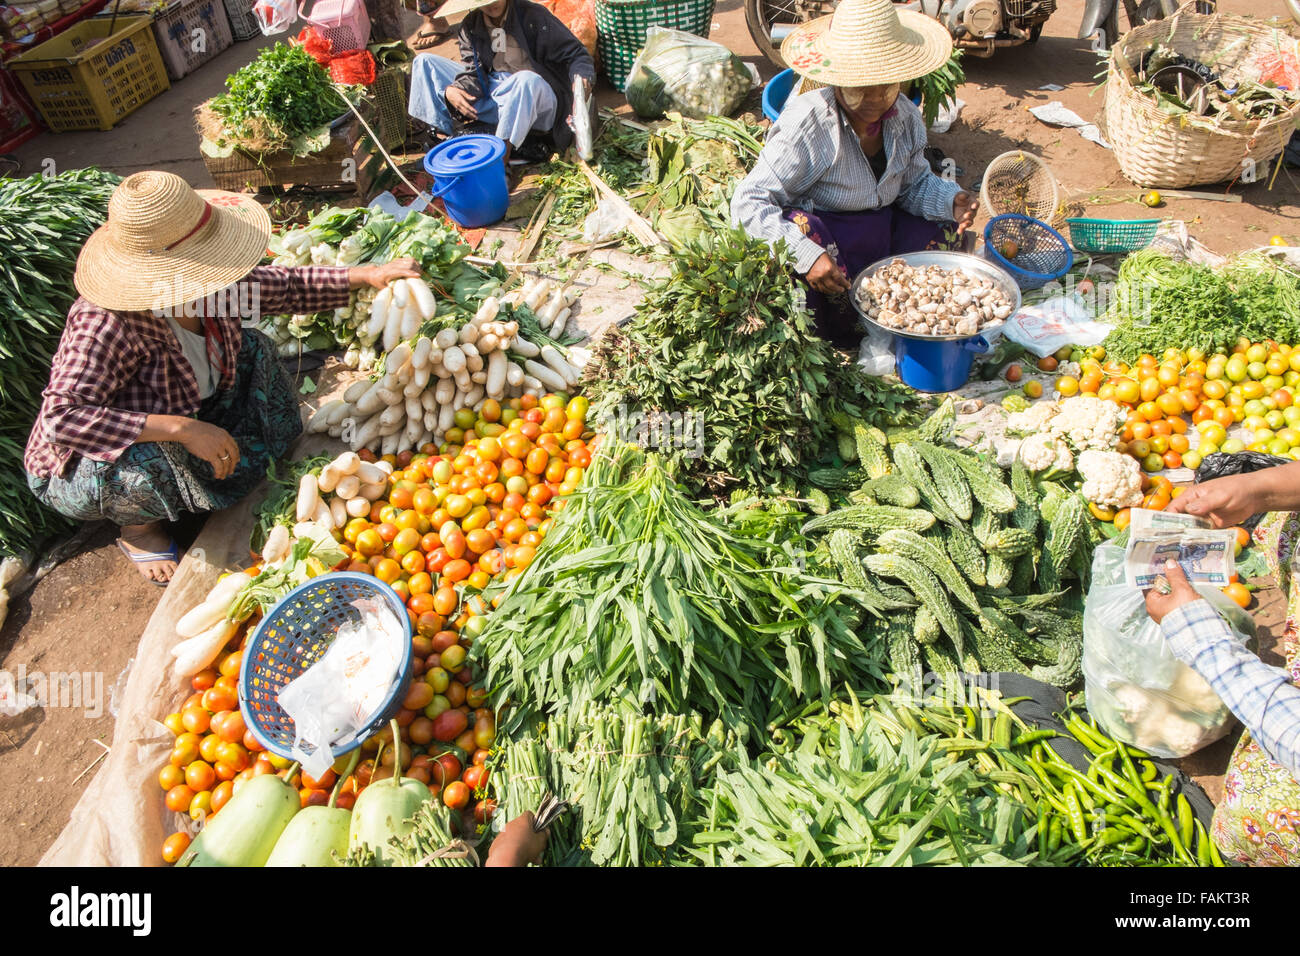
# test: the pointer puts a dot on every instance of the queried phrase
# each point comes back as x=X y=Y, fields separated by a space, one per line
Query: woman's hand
x=1179 y=592
x=380 y=275
x=1224 y=501
x=518 y=844
x=963 y=211
x=825 y=276
x=460 y=101
x=213 y=444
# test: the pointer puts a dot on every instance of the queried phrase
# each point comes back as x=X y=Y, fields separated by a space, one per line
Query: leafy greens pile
x=724 y=346
x=1161 y=303
x=43 y=224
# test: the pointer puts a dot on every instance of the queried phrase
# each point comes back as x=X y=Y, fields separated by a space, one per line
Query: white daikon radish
x=385 y=466
x=356 y=390
x=552 y=357
x=390 y=444
x=347 y=463
x=473 y=360
x=201 y=650
x=536 y=294
x=366 y=433
x=532 y=385
x=413 y=407
x=479 y=377
x=453 y=359
x=379 y=312
x=390 y=396
x=425 y=438
x=336 y=431
x=546 y=375
x=213 y=607
x=473 y=396
x=557 y=327
x=431 y=419
x=514 y=373
x=371 y=472
x=495 y=385
x=391 y=382
x=524 y=347
x=276 y=546
x=358 y=507
x=552 y=308
x=463 y=382
x=324 y=516
x=412 y=390
x=329 y=478
x=340 y=413
x=401 y=292
x=370 y=402
x=374 y=492
x=446 y=418
x=420 y=379
x=398 y=358
x=308 y=497
x=487 y=343
x=392 y=415
x=468 y=333
x=429 y=400
x=319 y=420
x=410 y=319
x=393 y=329
x=420 y=354
x=339 y=508
x=444 y=391
x=458 y=402
x=423 y=297
x=411 y=434
x=445 y=339
x=349 y=486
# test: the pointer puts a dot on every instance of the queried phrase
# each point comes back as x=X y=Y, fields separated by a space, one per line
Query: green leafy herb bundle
x=278 y=98
x=43 y=224
x=1161 y=303
x=724 y=346
x=637 y=595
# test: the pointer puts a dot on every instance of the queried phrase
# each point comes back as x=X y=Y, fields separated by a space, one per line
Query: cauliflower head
x=1032 y=420
x=1043 y=452
x=1086 y=421
x=1110 y=479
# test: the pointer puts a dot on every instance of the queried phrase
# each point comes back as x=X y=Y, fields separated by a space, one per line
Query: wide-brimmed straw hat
x=166 y=244
x=867 y=43
x=453 y=7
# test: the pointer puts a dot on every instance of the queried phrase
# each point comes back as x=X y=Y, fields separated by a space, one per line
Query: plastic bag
x=1136 y=688
x=343 y=691
x=876 y=352
x=688 y=74
x=275 y=16
x=1060 y=320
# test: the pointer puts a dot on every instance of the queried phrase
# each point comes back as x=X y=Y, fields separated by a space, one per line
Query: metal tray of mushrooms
x=936 y=296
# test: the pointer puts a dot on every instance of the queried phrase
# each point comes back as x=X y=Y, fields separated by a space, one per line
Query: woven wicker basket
x=1158 y=149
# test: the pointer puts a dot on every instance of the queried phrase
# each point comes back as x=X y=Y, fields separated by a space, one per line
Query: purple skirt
x=855 y=240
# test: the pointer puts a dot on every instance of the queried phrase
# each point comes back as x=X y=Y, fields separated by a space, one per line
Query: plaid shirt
x=114 y=369
x=813 y=160
x=1261 y=696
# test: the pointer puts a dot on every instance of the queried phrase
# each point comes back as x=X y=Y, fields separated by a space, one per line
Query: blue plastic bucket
x=469 y=175
x=936 y=365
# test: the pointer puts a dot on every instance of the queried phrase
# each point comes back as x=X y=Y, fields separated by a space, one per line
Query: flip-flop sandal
x=426 y=39
x=144 y=557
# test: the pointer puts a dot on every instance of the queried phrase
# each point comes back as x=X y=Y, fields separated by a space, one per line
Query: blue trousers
x=517 y=103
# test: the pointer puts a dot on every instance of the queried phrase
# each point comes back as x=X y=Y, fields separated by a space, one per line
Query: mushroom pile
x=932 y=300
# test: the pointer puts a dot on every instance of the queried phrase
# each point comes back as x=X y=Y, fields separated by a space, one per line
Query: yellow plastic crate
x=86 y=79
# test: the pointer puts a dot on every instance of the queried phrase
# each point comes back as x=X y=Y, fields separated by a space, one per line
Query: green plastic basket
x=621 y=27
x=1111 y=235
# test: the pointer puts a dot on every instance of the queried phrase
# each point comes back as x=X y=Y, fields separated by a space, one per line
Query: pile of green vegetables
x=981 y=566
x=725 y=344
x=938 y=89
x=43 y=223
x=1162 y=303
x=282 y=99
x=639 y=597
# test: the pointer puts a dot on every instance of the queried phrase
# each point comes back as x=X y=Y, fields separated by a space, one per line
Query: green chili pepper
x=1076 y=816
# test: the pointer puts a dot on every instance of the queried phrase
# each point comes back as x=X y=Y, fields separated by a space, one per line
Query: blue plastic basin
x=936 y=365
x=469 y=175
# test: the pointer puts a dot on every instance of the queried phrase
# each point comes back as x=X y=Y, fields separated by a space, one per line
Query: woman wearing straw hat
x=159 y=402
x=518 y=64
x=842 y=177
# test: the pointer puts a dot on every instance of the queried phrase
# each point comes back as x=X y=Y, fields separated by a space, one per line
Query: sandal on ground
x=426 y=39
x=145 y=557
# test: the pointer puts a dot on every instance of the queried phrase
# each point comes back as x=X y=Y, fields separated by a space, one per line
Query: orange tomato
x=174 y=846
x=1243 y=536
x=537 y=461
x=457 y=570
x=1148 y=389
x=1238 y=592
x=388 y=570
x=178 y=798
x=200 y=776
x=170 y=776
x=480 y=541
x=1122 y=519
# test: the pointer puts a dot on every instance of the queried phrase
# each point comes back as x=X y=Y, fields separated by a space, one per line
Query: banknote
x=1142 y=518
x=1206 y=555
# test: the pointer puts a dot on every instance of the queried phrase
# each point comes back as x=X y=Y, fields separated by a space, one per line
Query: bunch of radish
x=549 y=300
x=343 y=490
x=427 y=380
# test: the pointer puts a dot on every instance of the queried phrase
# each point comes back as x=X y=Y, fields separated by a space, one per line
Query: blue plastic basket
x=294 y=635
x=1042 y=253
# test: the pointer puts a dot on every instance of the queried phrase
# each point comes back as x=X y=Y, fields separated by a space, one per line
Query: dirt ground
x=87 y=615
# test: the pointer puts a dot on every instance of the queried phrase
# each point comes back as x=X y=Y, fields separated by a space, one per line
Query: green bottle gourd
x=383 y=810
x=316 y=833
x=246 y=830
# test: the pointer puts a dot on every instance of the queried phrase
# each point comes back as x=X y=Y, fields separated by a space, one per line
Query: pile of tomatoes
x=456 y=519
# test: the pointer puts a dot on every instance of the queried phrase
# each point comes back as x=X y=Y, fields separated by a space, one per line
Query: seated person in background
x=1258 y=820
x=516 y=74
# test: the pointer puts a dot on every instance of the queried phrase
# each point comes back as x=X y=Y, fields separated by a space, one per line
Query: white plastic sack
x=343 y=691
x=876 y=353
x=604 y=222
x=1055 y=322
x=679 y=71
x=275 y=16
x=1136 y=688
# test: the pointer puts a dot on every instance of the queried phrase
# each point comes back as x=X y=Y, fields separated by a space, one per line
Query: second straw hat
x=867 y=43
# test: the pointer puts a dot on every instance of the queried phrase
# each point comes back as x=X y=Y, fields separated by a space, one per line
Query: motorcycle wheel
x=1147 y=10
x=760 y=15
